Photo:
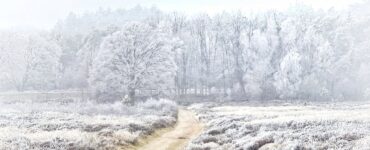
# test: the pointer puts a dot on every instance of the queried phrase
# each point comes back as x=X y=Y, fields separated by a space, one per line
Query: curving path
x=187 y=128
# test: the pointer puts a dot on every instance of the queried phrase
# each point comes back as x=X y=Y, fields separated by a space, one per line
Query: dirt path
x=187 y=128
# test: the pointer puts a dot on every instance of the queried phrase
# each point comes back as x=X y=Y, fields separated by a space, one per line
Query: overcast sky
x=43 y=14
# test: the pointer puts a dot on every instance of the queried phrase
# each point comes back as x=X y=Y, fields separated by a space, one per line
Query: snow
x=289 y=126
x=52 y=125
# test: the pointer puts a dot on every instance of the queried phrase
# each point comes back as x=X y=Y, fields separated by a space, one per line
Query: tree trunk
x=239 y=76
x=131 y=96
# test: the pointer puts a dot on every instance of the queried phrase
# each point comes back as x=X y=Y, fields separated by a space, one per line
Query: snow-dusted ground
x=80 y=125
x=284 y=126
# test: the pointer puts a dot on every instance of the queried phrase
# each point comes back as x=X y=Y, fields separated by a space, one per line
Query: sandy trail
x=187 y=128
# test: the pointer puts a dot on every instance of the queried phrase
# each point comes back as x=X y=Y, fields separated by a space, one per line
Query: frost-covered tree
x=178 y=24
x=30 y=61
x=90 y=49
x=288 y=78
x=137 y=57
x=76 y=32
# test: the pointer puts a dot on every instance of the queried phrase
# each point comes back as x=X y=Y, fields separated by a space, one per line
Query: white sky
x=43 y=14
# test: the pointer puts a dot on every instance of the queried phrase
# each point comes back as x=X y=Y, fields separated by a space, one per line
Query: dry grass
x=288 y=126
x=53 y=125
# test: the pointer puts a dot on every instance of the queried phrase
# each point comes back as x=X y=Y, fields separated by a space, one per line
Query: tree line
x=299 y=53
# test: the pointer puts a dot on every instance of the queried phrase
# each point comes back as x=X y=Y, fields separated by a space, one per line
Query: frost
x=87 y=126
x=289 y=126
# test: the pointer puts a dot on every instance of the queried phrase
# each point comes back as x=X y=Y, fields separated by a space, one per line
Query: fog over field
x=194 y=75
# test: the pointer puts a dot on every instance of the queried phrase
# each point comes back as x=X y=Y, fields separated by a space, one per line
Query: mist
x=297 y=53
x=243 y=75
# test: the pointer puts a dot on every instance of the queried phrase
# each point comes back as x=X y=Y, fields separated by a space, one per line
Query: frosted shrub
x=162 y=105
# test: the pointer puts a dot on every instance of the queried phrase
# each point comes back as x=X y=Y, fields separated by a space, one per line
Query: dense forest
x=299 y=53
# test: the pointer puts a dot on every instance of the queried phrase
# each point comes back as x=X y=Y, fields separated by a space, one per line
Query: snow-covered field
x=80 y=125
x=248 y=126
